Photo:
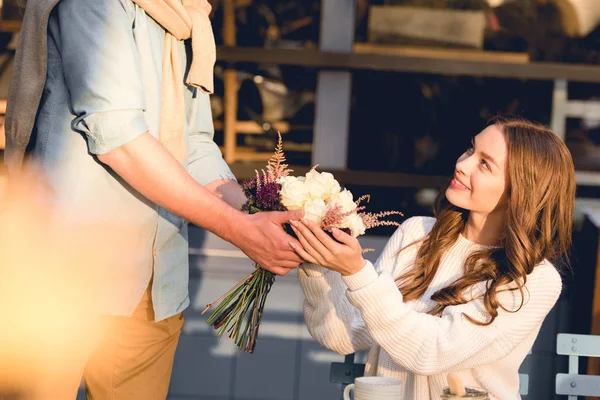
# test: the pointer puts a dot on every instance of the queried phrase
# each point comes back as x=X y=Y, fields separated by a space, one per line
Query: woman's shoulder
x=543 y=283
x=545 y=276
x=411 y=230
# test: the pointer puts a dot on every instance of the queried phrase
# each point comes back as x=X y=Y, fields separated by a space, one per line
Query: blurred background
x=386 y=94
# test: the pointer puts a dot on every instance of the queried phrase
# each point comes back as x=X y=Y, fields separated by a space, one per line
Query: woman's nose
x=464 y=164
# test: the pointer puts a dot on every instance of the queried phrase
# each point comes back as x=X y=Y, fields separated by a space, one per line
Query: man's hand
x=150 y=169
x=262 y=238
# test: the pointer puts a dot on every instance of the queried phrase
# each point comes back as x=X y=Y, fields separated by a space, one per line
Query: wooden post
x=230 y=96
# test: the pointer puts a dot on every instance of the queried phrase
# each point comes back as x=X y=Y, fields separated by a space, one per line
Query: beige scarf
x=181 y=20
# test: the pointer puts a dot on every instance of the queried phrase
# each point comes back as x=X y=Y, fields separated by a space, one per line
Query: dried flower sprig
x=333 y=218
x=372 y=220
x=365 y=197
x=276 y=167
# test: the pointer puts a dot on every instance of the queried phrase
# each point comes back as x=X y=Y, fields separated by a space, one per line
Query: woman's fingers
x=320 y=234
x=311 y=239
x=302 y=253
x=315 y=255
x=343 y=237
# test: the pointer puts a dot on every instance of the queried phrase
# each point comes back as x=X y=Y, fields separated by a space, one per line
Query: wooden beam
x=364 y=178
x=10 y=26
x=253 y=128
x=442 y=53
x=407 y=63
x=246 y=154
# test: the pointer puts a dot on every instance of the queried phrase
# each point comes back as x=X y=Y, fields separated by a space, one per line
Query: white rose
x=355 y=223
x=314 y=210
x=321 y=185
x=294 y=193
x=344 y=200
x=287 y=179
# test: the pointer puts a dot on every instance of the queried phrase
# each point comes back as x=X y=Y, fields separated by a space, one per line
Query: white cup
x=374 y=388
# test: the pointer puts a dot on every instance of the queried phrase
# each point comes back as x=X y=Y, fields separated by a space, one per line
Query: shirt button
x=154 y=253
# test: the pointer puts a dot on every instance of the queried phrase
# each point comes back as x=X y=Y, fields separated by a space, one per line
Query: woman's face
x=479 y=183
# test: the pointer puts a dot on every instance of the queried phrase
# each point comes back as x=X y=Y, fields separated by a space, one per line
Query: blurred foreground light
x=47 y=303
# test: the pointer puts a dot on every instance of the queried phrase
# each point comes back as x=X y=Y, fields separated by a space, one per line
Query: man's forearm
x=150 y=169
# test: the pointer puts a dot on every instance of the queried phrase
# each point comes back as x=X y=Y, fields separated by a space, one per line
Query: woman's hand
x=319 y=248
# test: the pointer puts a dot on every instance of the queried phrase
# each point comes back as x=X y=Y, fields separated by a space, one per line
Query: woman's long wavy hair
x=541 y=193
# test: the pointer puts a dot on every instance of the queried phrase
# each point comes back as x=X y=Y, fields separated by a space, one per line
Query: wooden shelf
x=428 y=64
x=10 y=26
x=441 y=53
x=249 y=154
x=253 y=128
x=246 y=170
x=243 y=153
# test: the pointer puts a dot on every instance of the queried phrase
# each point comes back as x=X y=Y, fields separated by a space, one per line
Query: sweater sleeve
x=427 y=344
x=330 y=318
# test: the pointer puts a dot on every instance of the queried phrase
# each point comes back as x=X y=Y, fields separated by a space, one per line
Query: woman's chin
x=451 y=197
x=454 y=199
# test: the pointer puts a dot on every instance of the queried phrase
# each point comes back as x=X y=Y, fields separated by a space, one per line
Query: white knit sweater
x=366 y=311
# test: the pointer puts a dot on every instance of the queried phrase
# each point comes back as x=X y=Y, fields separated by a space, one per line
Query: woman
x=465 y=292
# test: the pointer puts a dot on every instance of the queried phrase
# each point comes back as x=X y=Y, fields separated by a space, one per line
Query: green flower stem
x=227 y=294
x=240 y=309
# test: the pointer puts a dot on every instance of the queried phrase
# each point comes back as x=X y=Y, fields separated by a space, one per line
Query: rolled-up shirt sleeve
x=205 y=161
x=102 y=71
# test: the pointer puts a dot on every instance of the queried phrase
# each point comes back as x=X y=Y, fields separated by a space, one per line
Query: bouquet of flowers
x=323 y=201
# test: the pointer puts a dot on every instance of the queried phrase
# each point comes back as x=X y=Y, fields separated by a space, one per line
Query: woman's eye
x=485 y=164
x=470 y=150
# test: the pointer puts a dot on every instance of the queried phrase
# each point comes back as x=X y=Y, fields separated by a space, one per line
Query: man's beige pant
x=133 y=361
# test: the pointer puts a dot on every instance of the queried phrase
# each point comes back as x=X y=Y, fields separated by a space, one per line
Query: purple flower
x=267 y=197
x=346 y=230
x=249 y=188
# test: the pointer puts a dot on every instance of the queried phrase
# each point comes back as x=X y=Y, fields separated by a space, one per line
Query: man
x=123 y=140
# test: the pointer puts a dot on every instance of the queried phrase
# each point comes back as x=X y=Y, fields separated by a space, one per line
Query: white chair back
x=573 y=384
